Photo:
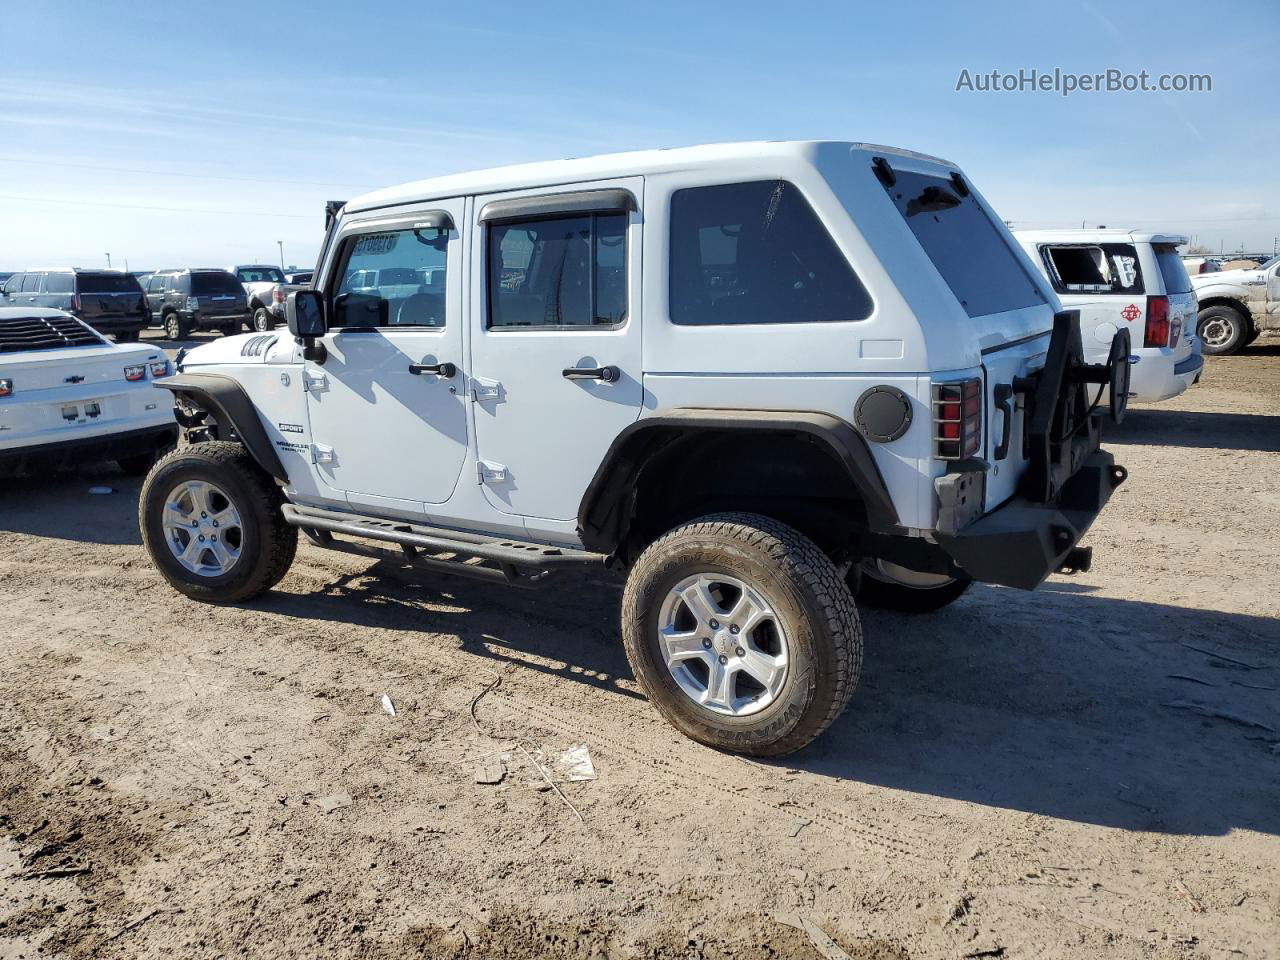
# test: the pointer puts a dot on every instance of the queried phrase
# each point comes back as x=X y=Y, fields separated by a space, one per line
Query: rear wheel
x=742 y=633
x=263 y=321
x=892 y=587
x=1223 y=330
x=175 y=328
x=211 y=521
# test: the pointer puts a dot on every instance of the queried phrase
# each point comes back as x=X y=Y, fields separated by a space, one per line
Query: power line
x=192 y=176
x=135 y=206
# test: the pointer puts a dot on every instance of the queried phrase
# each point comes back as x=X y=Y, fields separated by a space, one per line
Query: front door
x=556 y=372
x=387 y=406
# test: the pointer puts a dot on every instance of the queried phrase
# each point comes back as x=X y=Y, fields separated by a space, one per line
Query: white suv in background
x=1126 y=280
x=68 y=395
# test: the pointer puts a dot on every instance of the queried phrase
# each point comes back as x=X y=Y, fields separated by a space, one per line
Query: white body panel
x=45 y=408
x=509 y=445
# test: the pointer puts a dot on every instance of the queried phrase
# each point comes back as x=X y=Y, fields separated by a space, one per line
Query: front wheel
x=210 y=519
x=742 y=633
x=1222 y=330
x=263 y=321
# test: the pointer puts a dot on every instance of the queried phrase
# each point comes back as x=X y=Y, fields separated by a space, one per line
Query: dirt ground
x=1089 y=770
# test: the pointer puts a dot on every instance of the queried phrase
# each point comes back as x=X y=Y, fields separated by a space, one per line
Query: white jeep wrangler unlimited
x=759 y=379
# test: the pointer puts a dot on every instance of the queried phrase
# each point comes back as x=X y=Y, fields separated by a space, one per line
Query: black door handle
x=608 y=374
x=445 y=370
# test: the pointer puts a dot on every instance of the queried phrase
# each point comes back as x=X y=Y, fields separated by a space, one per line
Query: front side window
x=393 y=278
x=559 y=272
x=757 y=253
x=13 y=284
x=1094 y=268
x=59 y=283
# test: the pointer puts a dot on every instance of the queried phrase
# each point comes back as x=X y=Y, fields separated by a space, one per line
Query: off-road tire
x=884 y=595
x=817 y=611
x=1240 y=328
x=263 y=321
x=269 y=543
x=175 y=328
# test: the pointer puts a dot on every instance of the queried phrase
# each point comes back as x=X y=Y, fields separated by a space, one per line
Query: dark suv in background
x=197 y=298
x=110 y=301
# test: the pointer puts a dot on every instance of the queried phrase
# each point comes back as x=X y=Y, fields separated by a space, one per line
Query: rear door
x=387 y=407
x=556 y=339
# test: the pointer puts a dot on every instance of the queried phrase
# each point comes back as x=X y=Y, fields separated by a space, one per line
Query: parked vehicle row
x=110 y=301
x=760 y=380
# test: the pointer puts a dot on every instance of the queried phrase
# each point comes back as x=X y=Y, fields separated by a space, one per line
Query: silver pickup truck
x=267 y=290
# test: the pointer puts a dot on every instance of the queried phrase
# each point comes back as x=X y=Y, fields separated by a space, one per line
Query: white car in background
x=1126 y=280
x=266 y=287
x=68 y=395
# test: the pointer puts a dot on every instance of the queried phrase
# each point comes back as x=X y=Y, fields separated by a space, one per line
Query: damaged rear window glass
x=1094 y=268
x=972 y=255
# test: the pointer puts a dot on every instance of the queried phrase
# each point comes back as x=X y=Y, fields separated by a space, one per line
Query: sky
x=179 y=134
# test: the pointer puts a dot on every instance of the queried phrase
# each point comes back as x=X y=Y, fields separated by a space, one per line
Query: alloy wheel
x=723 y=644
x=202 y=528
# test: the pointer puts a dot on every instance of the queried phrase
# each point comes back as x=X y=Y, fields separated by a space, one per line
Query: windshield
x=1172 y=268
x=260 y=275
x=213 y=283
x=107 y=283
x=973 y=257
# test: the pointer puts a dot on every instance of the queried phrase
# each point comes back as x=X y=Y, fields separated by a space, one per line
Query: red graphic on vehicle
x=1130 y=313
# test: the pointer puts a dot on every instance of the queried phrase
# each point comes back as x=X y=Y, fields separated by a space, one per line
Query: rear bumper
x=48 y=457
x=116 y=324
x=1022 y=542
x=203 y=319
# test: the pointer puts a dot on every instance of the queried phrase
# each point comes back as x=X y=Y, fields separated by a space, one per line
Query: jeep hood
x=243 y=348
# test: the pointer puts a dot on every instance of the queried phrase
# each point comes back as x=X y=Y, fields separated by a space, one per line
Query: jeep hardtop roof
x=1099 y=235
x=606 y=166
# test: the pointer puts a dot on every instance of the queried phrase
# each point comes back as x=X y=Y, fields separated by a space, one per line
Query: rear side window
x=1094 y=268
x=558 y=272
x=973 y=257
x=218 y=283
x=1172 y=269
x=107 y=283
x=156 y=284
x=747 y=253
x=392 y=278
x=31 y=282
x=59 y=283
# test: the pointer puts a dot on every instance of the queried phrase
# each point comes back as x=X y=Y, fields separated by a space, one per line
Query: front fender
x=230 y=405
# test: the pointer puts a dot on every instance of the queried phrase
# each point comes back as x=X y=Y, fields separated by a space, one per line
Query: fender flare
x=226 y=400
x=604 y=513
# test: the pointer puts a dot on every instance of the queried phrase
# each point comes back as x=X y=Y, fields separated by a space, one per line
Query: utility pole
x=108 y=261
x=280 y=244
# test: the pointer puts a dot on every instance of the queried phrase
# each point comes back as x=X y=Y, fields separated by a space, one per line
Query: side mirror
x=304 y=313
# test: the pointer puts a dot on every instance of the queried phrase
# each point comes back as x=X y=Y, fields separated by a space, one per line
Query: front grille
x=44 y=333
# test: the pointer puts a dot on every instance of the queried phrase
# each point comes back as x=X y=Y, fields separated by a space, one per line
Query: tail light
x=159 y=368
x=1158 y=332
x=193 y=303
x=75 y=303
x=142 y=305
x=957 y=419
x=277 y=295
x=135 y=373
x=6 y=388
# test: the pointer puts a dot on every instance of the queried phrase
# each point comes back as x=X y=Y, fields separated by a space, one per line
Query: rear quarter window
x=972 y=255
x=1094 y=268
